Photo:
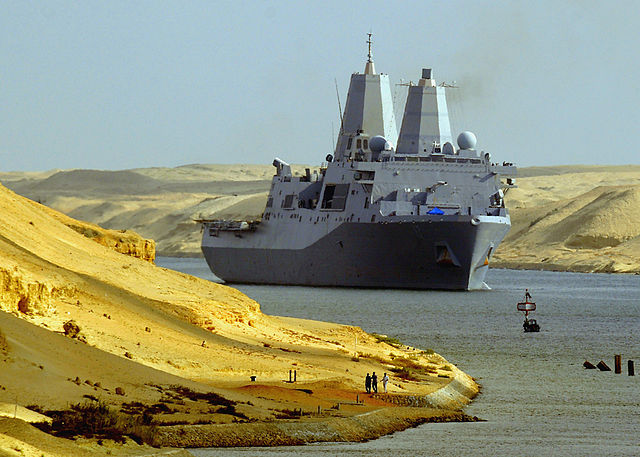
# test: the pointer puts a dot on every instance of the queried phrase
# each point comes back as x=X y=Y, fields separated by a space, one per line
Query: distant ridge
x=559 y=220
x=529 y=172
x=91 y=182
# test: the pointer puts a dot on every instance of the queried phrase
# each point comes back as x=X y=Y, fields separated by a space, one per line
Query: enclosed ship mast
x=367 y=113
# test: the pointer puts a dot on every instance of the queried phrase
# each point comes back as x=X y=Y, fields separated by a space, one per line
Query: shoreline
x=375 y=416
x=401 y=411
x=558 y=268
x=359 y=428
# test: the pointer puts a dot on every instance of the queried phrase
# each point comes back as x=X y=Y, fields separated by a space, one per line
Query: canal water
x=536 y=398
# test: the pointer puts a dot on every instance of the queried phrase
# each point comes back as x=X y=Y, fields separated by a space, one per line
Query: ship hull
x=396 y=254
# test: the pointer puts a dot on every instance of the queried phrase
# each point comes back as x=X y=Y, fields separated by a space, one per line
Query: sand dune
x=159 y=203
x=529 y=172
x=585 y=221
x=146 y=330
x=212 y=172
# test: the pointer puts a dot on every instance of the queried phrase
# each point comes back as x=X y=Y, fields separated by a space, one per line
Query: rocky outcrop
x=125 y=242
x=122 y=241
x=21 y=293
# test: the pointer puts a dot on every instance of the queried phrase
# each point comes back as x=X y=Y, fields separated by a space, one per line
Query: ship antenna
x=339 y=106
x=369 y=68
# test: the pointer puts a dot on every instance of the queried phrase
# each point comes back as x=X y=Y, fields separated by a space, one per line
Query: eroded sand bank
x=180 y=349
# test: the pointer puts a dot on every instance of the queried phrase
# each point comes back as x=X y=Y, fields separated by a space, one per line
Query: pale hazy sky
x=115 y=84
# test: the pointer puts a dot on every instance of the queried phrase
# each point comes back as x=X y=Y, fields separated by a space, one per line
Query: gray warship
x=384 y=211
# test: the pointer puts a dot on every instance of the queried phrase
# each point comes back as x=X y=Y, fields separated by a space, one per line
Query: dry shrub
x=72 y=330
x=376 y=358
x=93 y=419
x=411 y=370
x=405 y=373
x=408 y=363
x=210 y=397
x=290 y=413
x=23 y=305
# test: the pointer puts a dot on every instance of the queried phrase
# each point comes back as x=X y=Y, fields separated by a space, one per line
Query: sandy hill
x=92 y=181
x=574 y=218
x=214 y=172
x=529 y=172
x=596 y=231
x=159 y=335
x=159 y=203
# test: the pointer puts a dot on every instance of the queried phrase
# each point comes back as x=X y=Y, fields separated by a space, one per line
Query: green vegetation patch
x=395 y=342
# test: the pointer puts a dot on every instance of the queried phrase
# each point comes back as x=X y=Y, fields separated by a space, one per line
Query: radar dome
x=379 y=143
x=467 y=140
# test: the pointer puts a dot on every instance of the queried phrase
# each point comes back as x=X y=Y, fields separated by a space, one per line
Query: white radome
x=467 y=140
x=379 y=143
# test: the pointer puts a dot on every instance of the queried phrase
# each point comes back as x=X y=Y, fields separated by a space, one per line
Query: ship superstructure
x=424 y=214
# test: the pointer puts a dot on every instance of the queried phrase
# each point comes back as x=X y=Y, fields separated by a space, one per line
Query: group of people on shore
x=371 y=383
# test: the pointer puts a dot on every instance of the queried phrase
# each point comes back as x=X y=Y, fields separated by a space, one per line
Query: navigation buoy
x=527 y=306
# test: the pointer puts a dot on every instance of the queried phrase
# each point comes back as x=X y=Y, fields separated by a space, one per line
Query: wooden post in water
x=618 y=363
x=295 y=375
x=289 y=375
x=319 y=410
x=630 y=368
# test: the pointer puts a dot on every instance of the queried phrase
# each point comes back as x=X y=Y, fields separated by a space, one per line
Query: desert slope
x=158 y=335
x=597 y=231
x=159 y=203
x=581 y=218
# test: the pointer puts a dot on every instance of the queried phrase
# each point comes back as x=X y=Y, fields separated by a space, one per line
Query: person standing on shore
x=385 y=380
x=367 y=383
x=374 y=382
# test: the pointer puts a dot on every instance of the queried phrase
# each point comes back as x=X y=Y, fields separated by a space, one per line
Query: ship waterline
x=450 y=252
